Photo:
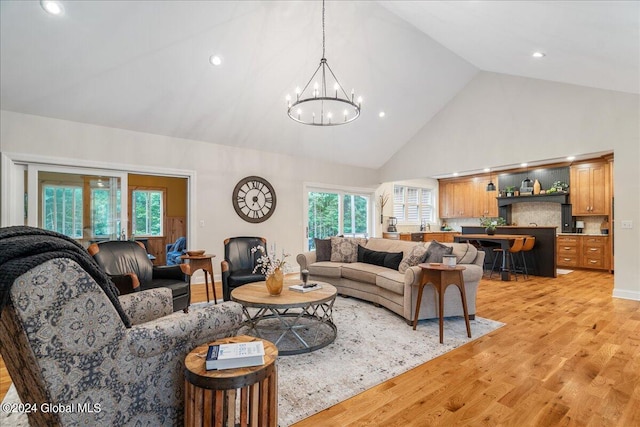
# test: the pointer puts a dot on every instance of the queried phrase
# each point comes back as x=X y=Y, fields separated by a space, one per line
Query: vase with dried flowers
x=271 y=267
x=382 y=200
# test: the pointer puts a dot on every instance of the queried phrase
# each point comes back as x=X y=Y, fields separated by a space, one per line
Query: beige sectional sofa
x=389 y=287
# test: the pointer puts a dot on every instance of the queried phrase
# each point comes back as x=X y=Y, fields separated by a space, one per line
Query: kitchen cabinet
x=457 y=199
x=590 y=188
x=485 y=202
x=584 y=252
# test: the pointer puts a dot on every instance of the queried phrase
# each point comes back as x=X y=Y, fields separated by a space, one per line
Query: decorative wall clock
x=254 y=199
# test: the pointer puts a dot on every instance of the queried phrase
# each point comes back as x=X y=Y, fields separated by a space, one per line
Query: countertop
x=423 y=232
x=583 y=234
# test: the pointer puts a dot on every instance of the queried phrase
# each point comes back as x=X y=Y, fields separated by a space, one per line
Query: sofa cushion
x=323 y=249
x=465 y=253
x=326 y=269
x=436 y=250
x=345 y=249
x=413 y=258
x=384 y=259
x=362 y=272
x=391 y=280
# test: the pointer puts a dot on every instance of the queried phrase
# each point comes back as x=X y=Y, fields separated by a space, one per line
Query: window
x=62 y=209
x=334 y=212
x=105 y=211
x=413 y=205
x=147 y=212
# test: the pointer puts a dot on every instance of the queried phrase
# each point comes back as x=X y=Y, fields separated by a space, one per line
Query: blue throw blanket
x=22 y=248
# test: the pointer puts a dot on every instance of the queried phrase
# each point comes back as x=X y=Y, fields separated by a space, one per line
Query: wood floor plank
x=569 y=355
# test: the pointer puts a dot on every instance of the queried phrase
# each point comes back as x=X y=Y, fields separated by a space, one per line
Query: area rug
x=372 y=346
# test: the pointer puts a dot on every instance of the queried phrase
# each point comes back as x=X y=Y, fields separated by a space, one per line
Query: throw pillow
x=383 y=259
x=415 y=257
x=392 y=260
x=344 y=249
x=323 y=249
x=436 y=251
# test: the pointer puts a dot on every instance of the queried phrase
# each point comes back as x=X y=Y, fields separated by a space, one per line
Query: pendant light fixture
x=526 y=185
x=491 y=186
x=316 y=104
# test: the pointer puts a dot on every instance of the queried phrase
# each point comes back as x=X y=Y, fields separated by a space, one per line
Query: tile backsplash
x=541 y=214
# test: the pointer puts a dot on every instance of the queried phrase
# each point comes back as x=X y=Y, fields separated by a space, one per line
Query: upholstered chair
x=239 y=263
x=65 y=344
x=127 y=264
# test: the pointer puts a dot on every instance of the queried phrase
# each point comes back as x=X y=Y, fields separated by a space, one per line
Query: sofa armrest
x=199 y=326
x=305 y=259
x=173 y=272
x=145 y=306
x=412 y=276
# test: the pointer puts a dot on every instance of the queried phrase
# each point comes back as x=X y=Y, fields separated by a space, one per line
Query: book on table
x=301 y=288
x=234 y=355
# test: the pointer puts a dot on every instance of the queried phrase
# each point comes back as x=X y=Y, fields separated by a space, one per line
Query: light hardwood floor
x=569 y=355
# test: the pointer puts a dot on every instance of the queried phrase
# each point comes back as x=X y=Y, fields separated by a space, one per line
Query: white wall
x=217 y=170
x=505 y=120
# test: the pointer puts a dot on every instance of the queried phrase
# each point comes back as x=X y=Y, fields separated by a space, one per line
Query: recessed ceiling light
x=215 y=60
x=455 y=174
x=52 y=7
x=381 y=114
x=570 y=158
x=487 y=169
x=538 y=54
x=524 y=165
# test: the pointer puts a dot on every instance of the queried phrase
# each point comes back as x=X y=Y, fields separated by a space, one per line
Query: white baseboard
x=626 y=294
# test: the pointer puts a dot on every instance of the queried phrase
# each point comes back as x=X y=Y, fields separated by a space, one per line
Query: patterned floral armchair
x=64 y=343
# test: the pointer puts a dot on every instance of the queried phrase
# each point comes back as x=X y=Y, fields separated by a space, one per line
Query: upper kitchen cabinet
x=590 y=188
x=486 y=203
x=456 y=199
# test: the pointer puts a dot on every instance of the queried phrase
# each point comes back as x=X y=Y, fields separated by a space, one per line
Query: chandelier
x=315 y=105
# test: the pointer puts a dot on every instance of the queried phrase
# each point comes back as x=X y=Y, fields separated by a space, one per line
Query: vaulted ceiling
x=144 y=65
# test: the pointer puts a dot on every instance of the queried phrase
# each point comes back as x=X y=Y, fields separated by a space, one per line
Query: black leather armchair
x=127 y=264
x=238 y=264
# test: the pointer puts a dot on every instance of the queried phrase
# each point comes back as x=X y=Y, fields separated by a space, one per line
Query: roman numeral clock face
x=254 y=199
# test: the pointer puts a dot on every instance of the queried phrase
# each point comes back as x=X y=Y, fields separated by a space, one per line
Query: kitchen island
x=543 y=253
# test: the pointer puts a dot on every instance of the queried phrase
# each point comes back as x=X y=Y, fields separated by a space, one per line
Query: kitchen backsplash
x=541 y=214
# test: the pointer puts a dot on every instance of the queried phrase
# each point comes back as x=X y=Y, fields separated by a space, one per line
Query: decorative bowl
x=198 y=252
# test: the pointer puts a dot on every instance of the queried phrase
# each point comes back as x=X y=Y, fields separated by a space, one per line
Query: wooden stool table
x=441 y=276
x=211 y=397
x=200 y=262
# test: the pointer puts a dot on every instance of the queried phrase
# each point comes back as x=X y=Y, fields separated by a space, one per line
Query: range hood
x=541 y=198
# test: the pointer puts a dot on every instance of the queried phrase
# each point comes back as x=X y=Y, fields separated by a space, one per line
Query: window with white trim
x=147 y=212
x=412 y=205
x=62 y=209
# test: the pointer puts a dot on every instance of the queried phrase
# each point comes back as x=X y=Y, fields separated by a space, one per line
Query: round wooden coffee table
x=295 y=322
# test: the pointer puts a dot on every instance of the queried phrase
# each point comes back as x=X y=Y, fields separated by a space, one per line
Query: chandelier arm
x=311 y=79
x=336 y=79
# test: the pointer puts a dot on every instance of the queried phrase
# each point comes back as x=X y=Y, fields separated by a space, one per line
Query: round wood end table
x=441 y=276
x=230 y=397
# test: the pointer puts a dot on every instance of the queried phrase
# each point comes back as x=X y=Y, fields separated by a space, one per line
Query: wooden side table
x=200 y=262
x=441 y=276
x=211 y=397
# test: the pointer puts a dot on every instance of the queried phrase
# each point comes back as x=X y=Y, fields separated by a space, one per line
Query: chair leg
x=493 y=266
x=524 y=266
x=514 y=268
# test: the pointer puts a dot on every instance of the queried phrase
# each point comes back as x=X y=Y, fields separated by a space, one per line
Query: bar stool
x=529 y=243
x=516 y=247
